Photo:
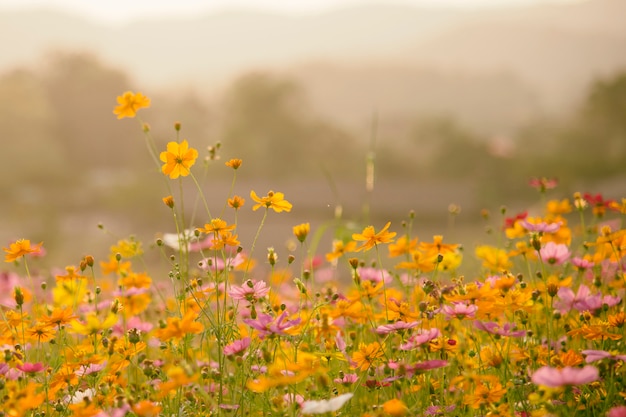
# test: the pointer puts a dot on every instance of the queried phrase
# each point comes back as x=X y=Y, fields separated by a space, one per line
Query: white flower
x=173 y=239
x=80 y=396
x=325 y=406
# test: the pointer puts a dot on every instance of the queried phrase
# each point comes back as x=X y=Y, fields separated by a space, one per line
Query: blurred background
x=452 y=102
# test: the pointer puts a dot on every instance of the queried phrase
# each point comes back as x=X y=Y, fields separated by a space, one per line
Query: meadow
x=379 y=323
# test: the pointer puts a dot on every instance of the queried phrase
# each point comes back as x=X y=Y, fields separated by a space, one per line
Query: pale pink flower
x=374 y=274
x=251 y=291
x=581 y=263
x=459 y=311
x=395 y=327
x=554 y=377
x=541 y=227
x=420 y=338
x=348 y=379
x=583 y=300
x=506 y=329
x=596 y=355
x=554 y=253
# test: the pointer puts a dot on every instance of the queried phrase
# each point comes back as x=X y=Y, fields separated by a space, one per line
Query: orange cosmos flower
x=236 y=202
x=367 y=355
x=437 y=246
x=20 y=248
x=129 y=103
x=178 y=159
x=275 y=201
x=339 y=249
x=371 y=238
x=177 y=328
x=234 y=163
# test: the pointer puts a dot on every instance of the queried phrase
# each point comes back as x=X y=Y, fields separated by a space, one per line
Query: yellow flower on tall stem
x=129 y=103
x=178 y=159
x=275 y=201
x=20 y=248
x=371 y=238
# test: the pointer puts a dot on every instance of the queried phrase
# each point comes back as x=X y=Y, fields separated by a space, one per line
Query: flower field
x=379 y=324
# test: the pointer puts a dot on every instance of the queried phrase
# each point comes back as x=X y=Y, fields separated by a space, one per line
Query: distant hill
x=516 y=62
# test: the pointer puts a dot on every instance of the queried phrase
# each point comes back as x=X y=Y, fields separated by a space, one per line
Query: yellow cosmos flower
x=20 y=248
x=93 y=325
x=367 y=355
x=371 y=238
x=178 y=158
x=395 y=408
x=217 y=227
x=129 y=103
x=339 y=249
x=301 y=231
x=275 y=201
x=493 y=258
x=177 y=328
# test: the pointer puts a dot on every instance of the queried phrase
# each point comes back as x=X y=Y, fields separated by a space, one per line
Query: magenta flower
x=411 y=370
x=459 y=311
x=251 y=291
x=619 y=411
x=596 y=355
x=395 y=327
x=267 y=325
x=237 y=347
x=554 y=377
x=507 y=329
x=30 y=368
x=423 y=336
x=554 y=253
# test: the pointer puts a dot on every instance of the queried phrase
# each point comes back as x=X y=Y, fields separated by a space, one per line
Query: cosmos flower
x=554 y=377
x=129 y=103
x=178 y=159
x=371 y=238
x=274 y=200
x=325 y=406
x=19 y=248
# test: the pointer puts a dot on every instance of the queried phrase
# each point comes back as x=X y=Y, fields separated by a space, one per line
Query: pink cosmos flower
x=374 y=274
x=543 y=183
x=422 y=336
x=267 y=325
x=92 y=368
x=582 y=264
x=506 y=329
x=541 y=227
x=596 y=355
x=459 y=311
x=217 y=264
x=619 y=411
x=237 y=347
x=347 y=379
x=251 y=291
x=554 y=253
x=583 y=300
x=30 y=368
x=8 y=282
x=410 y=370
x=554 y=377
x=395 y=327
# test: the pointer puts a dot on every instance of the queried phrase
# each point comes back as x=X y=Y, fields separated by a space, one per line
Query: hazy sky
x=124 y=10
